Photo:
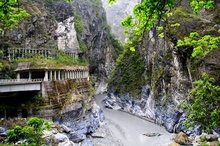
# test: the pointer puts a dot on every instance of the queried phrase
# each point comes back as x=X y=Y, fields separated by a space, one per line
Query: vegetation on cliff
x=127 y=77
x=79 y=29
x=10 y=14
x=205 y=110
x=202 y=45
x=32 y=132
x=58 y=60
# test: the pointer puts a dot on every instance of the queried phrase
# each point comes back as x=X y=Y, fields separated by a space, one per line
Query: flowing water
x=129 y=130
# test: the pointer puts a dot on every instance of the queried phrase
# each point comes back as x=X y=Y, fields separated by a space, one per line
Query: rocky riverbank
x=69 y=132
x=147 y=108
x=200 y=140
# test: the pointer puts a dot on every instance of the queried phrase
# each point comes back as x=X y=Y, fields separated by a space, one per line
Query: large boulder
x=63 y=140
x=2 y=131
x=3 y=134
x=182 y=139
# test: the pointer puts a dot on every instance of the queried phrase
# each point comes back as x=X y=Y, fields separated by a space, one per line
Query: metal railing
x=6 y=81
x=16 y=53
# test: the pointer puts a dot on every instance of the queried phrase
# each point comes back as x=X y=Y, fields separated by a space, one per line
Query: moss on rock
x=127 y=77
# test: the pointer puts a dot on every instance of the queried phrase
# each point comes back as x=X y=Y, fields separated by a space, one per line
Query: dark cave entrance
x=16 y=104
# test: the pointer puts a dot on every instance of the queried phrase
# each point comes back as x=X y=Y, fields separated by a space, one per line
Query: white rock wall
x=67 y=39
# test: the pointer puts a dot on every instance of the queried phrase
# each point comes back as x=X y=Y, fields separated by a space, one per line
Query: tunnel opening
x=17 y=104
x=38 y=75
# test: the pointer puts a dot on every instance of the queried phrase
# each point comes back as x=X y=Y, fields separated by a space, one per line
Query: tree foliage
x=10 y=14
x=32 y=132
x=201 y=45
x=205 y=109
x=197 y=5
x=146 y=15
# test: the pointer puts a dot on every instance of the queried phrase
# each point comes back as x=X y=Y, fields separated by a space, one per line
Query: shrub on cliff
x=205 y=109
x=32 y=132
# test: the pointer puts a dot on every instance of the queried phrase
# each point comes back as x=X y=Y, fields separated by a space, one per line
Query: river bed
x=124 y=129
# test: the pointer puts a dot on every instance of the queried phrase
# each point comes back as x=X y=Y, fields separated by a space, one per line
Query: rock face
x=96 y=37
x=66 y=36
x=44 y=30
x=74 y=109
x=3 y=134
x=78 y=127
x=58 y=135
x=168 y=71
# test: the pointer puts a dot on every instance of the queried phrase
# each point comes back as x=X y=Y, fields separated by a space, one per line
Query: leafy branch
x=11 y=14
x=197 y=5
x=146 y=15
x=202 y=45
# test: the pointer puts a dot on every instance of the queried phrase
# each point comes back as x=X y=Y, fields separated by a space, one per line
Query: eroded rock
x=182 y=138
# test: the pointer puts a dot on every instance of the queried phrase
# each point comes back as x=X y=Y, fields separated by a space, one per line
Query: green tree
x=15 y=134
x=32 y=132
x=205 y=109
x=10 y=14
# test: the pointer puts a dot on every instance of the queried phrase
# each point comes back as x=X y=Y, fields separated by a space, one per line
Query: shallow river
x=129 y=130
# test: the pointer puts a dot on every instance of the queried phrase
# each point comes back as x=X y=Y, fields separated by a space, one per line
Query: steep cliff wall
x=96 y=34
x=169 y=70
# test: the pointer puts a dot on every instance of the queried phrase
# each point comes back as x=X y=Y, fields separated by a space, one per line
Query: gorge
x=75 y=50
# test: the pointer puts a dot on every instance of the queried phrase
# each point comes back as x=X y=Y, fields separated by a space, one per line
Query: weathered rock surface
x=182 y=138
x=77 y=129
x=95 y=36
x=3 y=134
x=68 y=131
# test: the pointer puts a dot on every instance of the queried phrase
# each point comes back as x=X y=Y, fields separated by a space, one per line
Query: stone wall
x=65 y=96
